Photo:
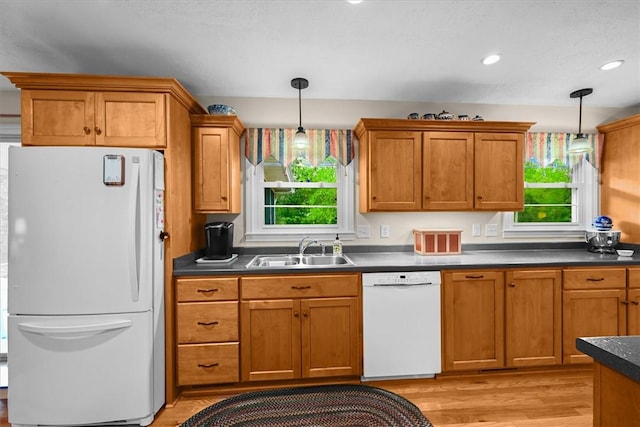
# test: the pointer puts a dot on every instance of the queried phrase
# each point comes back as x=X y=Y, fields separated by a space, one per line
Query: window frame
x=257 y=231
x=585 y=197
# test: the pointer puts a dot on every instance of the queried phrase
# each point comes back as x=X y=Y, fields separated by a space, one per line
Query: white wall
x=277 y=112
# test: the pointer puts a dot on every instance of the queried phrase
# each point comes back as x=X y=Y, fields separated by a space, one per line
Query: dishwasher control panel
x=401 y=278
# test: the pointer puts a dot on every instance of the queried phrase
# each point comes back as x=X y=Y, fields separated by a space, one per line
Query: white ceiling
x=392 y=50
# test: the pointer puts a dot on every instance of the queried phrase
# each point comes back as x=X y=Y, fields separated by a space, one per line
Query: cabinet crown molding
x=366 y=124
x=105 y=83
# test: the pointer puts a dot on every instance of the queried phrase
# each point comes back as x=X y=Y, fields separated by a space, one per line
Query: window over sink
x=293 y=191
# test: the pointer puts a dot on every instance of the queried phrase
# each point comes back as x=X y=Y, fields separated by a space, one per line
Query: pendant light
x=301 y=140
x=580 y=144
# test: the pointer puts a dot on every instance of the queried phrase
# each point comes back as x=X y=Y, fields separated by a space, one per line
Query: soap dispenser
x=337 y=246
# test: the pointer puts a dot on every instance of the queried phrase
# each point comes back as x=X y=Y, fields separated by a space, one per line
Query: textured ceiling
x=392 y=50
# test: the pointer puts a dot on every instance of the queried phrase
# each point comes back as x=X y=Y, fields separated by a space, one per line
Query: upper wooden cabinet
x=216 y=163
x=119 y=119
x=620 y=176
x=413 y=165
x=80 y=109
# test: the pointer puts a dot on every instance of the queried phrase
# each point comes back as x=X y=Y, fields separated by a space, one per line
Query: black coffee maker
x=219 y=238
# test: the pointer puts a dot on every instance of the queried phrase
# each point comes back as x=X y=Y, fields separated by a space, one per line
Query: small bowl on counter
x=624 y=252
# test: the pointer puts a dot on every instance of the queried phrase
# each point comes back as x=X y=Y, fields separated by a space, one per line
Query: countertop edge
x=596 y=348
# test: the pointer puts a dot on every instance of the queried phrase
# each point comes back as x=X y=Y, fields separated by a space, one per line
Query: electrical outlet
x=363 y=232
x=475 y=230
x=491 y=230
x=384 y=231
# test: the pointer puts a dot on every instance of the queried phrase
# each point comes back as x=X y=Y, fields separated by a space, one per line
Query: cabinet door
x=51 y=117
x=447 y=171
x=499 y=179
x=473 y=320
x=130 y=119
x=591 y=313
x=216 y=170
x=395 y=171
x=533 y=318
x=330 y=337
x=270 y=339
x=633 y=311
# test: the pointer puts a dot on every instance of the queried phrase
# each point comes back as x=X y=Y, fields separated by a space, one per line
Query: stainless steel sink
x=297 y=261
x=328 y=260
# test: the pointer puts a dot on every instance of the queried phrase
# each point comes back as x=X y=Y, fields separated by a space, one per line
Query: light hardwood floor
x=550 y=399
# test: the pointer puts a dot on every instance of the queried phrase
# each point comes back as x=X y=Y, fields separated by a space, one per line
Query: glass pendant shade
x=300 y=140
x=580 y=144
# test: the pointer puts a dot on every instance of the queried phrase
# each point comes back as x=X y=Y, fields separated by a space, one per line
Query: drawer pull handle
x=301 y=287
x=206 y=291
x=474 y=276
x=595 y=279
x=208 y=323
x=625 y=302
x=208 y=365
x=635 y=302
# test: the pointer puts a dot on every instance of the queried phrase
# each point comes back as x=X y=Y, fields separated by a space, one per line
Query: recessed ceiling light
x=491 y=59
x=611 y=65
x=355 y=1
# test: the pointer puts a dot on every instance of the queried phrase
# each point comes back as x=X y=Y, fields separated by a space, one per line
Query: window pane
x=301 y=206
x=547 y=204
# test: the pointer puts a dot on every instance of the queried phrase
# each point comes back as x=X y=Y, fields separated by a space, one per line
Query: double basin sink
x=299 y=261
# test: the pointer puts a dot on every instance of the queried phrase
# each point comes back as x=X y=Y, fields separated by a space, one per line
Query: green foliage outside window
x=546 y=204
x=306 y=205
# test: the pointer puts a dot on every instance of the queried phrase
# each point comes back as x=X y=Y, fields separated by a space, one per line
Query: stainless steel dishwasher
x=401 y=320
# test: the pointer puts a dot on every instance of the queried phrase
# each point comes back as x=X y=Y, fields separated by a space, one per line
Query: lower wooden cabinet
x=302 y=326
x=533 y=322
x=593 y=304
x=207 y=331
x=473 y=320
x=633 y=298
x=490 y=325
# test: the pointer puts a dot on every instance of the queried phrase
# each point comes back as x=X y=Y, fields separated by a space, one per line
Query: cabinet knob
x=373 y=197
x=305 y=314
x=98 y=131
x=163 y=235
x=479 y=197
x=512 y=285
x=223 y=197
x=296 y=314
x=625 y=302
x=87 y=131
x=635 y=302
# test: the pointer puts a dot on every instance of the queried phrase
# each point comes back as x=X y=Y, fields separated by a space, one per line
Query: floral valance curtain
x=262 y=143
x=547 y=147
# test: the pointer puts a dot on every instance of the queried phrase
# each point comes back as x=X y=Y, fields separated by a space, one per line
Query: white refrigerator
x=85 y=296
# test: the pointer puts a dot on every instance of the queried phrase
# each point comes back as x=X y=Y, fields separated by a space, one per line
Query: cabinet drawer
x=594 y=278
x=208 y=363
x=634 y=277
x=207 y=322
x=206 y=289
x=296 y=286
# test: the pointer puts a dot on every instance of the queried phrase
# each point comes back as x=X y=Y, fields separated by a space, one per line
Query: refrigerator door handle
x=134 y=231
x=74 y=331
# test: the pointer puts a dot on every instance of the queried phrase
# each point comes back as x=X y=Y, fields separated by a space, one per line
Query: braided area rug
x=326 y=405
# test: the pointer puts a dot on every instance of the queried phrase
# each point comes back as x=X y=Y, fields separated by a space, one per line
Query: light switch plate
x=384 y=231
x=475 y=230
x=491 y=230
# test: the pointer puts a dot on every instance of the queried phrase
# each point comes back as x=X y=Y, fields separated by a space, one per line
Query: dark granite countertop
x=621 y=354
x=372 y=261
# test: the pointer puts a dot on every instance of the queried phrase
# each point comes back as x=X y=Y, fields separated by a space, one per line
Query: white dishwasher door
x=401 y=320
